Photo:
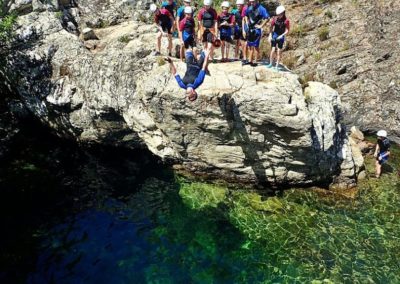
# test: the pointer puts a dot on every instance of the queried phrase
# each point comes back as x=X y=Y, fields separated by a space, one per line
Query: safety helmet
x=188 y=10
x=239 y=2
x=186 y=1
x=280 y=9
x=381 y=133
x=207 y=2
x=225 y=4
x=153 y=7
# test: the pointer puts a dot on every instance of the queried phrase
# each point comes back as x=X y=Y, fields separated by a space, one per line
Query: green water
x=72 y=217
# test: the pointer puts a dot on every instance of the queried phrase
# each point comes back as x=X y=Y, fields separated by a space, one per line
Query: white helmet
x=382 y=133
x=239 y=2
x=280 y=9
x=153 y=7
x=225 y=4
x=207 y=2
x=186 y=1
x=188 y=10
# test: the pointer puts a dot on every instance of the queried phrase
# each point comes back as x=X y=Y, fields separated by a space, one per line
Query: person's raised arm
x=171 y=65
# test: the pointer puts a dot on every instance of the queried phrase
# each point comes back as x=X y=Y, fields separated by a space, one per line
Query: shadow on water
x=44 y=179
x=103 y=215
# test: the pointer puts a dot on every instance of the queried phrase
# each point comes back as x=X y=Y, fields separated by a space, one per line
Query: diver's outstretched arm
x=171 y=65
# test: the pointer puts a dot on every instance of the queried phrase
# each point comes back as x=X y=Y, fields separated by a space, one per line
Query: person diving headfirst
x=195 y=71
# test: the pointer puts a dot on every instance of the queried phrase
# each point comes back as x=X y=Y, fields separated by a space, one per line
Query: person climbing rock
x=164 y=22
x=382 y=152
x=280 y=26
x=241 y=46
x=226 y=21
x=180 y=15
x=195 y=71
x=186 y=29
x=208 y=24
x=256 y=18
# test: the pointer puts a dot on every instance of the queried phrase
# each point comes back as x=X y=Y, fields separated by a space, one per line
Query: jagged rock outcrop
x=249 y=125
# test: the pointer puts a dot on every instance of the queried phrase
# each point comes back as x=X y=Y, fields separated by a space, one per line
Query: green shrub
x=323 y=33
x=7 y=22
x=329 y=14
x=124 y=39
x=300 y=30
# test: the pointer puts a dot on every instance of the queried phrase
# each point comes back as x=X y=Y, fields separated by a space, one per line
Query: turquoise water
x=124 y=218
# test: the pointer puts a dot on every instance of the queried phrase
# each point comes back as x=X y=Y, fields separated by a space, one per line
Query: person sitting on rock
x=279 y=28
x=164 y=21
x=208 y=24
x=195 y=71
x=256 y=18
x=180 y=15
x=382 y=152
x=241 y=46
x=186 y=29
x=225 y=23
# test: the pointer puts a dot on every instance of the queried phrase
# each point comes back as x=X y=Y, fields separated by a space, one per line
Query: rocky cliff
x=354 y=47
x=249 y=125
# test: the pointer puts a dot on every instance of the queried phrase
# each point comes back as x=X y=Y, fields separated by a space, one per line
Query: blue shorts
x=254 y=37
x=188 y=39
x=383 y=159
x=275 y=41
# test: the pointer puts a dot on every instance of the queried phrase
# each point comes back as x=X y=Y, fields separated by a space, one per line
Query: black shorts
x=239 y=35
x=189 y=42
x=207 y=36
x=167 y=28
x=226 y=38
x=275 y=42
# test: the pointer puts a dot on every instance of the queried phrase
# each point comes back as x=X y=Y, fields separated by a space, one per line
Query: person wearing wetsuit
x=280 y=26
x=195 y=71
x=208 y=24
x=239 y=14
x=164 y=21
x=256 y=18
x=180 y=15
x=186 y=29
x=382 y=151
x=225 y=23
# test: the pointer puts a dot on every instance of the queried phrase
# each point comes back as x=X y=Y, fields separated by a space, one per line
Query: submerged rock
x=249 y=125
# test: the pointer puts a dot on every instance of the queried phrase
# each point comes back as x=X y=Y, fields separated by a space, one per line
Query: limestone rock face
x=249 y=125
x=265 y=130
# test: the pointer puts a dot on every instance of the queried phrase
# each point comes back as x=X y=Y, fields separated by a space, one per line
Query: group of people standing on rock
x=242 y=27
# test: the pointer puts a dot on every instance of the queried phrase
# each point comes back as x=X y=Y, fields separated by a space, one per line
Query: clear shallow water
x=73 y=217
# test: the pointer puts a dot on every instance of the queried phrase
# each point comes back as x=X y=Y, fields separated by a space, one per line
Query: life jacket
x=163 y=18
x=189 y=25
x=254 y=16
x=224 y=18
x=384 y=145
x=280 y=25
x=208 y=19
x=238 y=19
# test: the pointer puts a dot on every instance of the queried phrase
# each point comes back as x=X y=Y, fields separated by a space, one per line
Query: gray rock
x=89 y=34
x=249 y=125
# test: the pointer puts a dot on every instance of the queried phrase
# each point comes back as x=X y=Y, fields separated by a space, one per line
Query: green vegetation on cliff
x=7 y=22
